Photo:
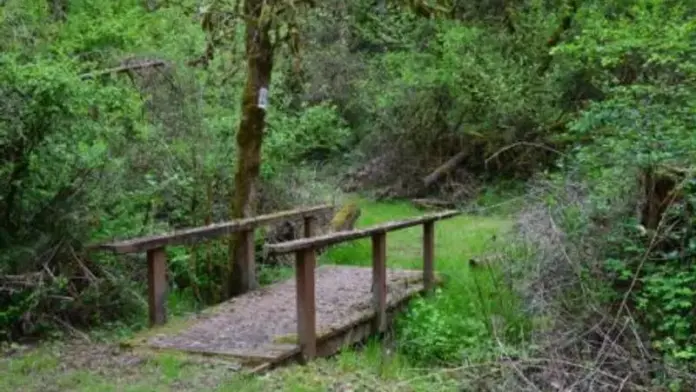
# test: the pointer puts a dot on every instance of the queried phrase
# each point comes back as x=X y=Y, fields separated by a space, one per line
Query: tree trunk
x=259 y=53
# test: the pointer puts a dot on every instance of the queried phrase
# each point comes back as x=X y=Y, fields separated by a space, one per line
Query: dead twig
x=517 y=144
x=88 y=273
x=72 y=329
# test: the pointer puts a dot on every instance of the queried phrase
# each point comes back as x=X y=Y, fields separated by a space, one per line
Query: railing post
x=428 y=254
x=379 y=280
x=245 y=263
x=309 y=226
x=306 y=305
x=157 y=285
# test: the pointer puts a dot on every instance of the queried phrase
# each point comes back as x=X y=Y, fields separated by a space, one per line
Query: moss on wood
x=346 y=217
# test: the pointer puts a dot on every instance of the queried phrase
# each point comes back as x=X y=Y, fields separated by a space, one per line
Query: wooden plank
x=428 y=255
x=306 y=304
x=335 y=238
x=245 y=264
x=157 y=285
x=356 y=323
x=198 y=234
x=379 y=280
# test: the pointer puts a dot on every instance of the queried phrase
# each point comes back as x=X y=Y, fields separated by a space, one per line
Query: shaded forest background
x=118 y=119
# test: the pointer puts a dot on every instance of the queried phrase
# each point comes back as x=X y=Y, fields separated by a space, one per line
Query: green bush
x=468 y=319
x=643 y=59
x=314 y=135
x=115 y=155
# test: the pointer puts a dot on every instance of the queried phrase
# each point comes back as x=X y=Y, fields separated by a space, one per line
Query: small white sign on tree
x=263 y=98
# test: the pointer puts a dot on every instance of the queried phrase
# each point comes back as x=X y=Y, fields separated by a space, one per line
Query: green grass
x=471 y=309
x=456 y=241
x=444 y=329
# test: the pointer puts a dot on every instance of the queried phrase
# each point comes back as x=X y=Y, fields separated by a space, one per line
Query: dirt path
x=263 y=323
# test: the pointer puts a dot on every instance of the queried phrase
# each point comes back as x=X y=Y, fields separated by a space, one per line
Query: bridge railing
x=305 y=250
x=155 y=247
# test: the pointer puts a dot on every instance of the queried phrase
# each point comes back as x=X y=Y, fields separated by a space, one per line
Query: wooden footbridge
x=314 y=314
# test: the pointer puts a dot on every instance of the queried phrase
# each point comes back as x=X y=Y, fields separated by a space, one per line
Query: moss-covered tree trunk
x=259 y=53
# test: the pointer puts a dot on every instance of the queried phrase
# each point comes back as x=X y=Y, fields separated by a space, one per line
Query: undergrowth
x=473 y=311
x=467 y=318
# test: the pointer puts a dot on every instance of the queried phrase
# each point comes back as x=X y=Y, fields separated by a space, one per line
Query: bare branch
x=124 y=68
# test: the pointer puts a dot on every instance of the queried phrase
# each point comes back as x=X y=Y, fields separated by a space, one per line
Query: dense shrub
x=88 y=156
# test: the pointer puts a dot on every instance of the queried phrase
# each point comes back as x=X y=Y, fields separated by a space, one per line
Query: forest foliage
x=93 y=147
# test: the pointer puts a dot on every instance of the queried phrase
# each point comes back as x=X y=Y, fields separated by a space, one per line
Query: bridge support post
x=428 y=255
x=157 y=286
x=244 y=279
x=308 y=226
x=379 y=280
x=306 y=305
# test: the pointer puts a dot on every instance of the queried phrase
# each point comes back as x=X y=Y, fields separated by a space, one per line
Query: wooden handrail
x=344 y=236
x=305 y=261
x=204 y=233
x=157 y=256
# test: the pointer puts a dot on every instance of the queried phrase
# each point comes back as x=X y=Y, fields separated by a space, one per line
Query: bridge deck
x=261 y=326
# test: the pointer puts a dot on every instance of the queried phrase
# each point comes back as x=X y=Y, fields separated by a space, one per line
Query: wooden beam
x=335 y=238
x=428 y=255
x=379 y=280
x=306 y=306
x=445 y=168
x=157 y=286
x=199 y=234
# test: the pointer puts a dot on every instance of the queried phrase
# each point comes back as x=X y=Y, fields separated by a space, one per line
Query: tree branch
x=124 y=68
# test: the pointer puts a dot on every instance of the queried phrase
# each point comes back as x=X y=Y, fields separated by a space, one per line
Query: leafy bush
x=89 y=156
x=466 y=320
x=644 y=62
x=315 y=134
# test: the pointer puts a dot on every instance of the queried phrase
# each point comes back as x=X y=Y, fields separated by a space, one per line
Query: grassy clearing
x=460 y=323
x=101 y=367
x=472 y=308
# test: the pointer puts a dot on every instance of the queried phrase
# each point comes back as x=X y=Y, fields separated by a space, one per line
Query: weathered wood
x=218 y=332
x=379 y=280
x=335 y=238
x=309 y=223
x=306 y=304
x=443 y=169
x=428 y=255
x=345 y=218
x=245 y=264
x=199 y=234
x=157 y=285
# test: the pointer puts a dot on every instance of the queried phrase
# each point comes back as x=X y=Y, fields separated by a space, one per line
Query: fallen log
x=443 y=169
x=429 y=204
